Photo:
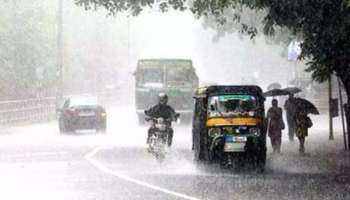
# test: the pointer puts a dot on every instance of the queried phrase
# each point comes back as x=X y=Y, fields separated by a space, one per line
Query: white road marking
x=89 y=158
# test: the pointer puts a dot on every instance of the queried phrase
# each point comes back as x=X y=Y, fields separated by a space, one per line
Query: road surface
x=36 y=162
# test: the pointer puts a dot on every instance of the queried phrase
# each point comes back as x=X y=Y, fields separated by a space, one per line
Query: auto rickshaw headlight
x=212 y=132
x=251 y=114
x=254 y=131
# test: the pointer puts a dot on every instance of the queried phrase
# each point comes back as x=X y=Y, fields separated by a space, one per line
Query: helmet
x=162 y=98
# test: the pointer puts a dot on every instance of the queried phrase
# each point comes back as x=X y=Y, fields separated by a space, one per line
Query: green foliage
x=27 y=41
x=322 y=25
x=247 y=22
x=132 y=6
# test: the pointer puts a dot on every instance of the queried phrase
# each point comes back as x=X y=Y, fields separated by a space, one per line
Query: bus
x=175 y=77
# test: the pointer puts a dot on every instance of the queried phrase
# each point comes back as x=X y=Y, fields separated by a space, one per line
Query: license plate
x=234 y=147
x=235 y=143
x=235 y=139
x=86 y=114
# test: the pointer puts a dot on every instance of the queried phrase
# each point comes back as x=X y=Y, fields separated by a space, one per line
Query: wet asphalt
x=36 y=162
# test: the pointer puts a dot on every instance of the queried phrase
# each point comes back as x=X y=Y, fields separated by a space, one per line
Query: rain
x=98 y=104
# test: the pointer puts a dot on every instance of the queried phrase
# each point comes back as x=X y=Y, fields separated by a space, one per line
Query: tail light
x=102 y=112
x=72 y=111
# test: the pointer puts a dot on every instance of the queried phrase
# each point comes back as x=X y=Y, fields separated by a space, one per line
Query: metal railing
x=39 y=109
x=29 y=110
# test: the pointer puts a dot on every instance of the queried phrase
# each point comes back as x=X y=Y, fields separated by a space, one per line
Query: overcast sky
x=91 y=38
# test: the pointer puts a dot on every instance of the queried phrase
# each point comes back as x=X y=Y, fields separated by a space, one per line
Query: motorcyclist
x=163 y=110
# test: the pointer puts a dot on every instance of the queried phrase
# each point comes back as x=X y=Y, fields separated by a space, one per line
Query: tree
x=322 y=25
x=27 y=42
x=245 y=22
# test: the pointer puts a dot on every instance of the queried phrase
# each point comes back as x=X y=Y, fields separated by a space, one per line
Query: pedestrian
x=290 y=115
x=302 y=123
x=275 y=125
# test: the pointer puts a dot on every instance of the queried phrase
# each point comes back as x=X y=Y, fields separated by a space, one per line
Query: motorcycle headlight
x=214 y=132
x=160 y=120
x=161 y=127
x=254 y=131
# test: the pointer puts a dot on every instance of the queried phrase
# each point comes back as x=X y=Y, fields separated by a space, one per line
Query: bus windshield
x=151 y=76
x=156 y=72
x=179 y=75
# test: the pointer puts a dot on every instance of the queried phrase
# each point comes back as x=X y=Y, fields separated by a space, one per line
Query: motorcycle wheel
x=160 y=157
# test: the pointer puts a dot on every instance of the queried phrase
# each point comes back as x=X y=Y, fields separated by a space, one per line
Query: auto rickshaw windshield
x=232 y=105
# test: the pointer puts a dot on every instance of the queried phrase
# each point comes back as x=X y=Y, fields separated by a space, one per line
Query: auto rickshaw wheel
x=260 y=161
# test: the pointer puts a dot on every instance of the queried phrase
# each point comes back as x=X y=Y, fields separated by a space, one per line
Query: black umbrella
x=276 y=92
x=292 y=90
x=274 y=86
x=301 y=104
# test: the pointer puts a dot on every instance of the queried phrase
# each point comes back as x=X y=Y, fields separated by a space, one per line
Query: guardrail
x=39 y=109
x=29 y=110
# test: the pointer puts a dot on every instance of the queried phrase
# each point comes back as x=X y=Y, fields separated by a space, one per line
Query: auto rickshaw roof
x=203 y=92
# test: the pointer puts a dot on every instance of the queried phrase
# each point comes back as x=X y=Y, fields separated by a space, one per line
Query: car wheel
x=61 y=126
x=102 y=128
x=68 y=127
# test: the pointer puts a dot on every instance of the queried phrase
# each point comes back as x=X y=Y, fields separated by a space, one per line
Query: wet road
x=36 y=162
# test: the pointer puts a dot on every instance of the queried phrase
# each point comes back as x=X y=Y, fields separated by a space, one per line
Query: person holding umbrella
x=290 y=114
x=303 y=123
x=274 y=118
x=289 y=106
x=303 y=107
x=275 y=126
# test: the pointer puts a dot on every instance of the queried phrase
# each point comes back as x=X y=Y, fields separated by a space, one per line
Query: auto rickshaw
x=229 y=126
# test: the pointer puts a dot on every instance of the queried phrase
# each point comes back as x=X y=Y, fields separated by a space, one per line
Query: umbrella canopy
x=274 y=86
x=292 y=90
x=301 y=104
x=276 y=92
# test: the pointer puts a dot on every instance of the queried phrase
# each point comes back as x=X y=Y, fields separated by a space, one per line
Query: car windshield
x=232 y=105
x=83 y=101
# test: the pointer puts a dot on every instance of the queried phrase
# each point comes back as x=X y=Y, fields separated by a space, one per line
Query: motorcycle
x=158 y=140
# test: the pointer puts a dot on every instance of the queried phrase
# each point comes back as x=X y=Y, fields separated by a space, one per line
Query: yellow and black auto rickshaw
x=229 y=125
